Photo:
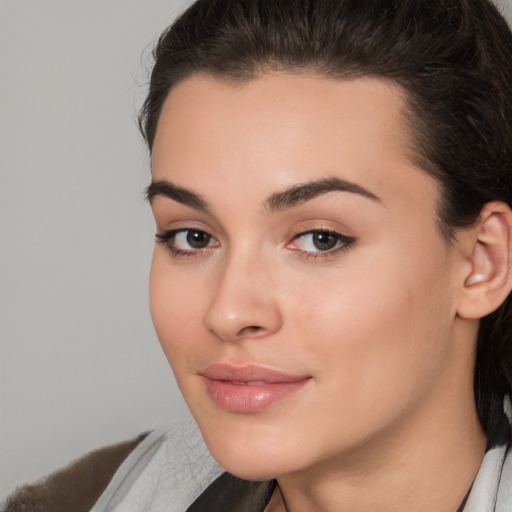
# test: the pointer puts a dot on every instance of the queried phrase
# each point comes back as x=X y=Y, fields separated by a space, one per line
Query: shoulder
x=504 y=498
x=492 y=487
x=504 y=493
x=76 y=487
x=159 y=471
x=166 y=472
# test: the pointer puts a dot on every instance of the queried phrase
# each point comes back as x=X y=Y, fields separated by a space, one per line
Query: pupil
x=198 y=239
x=324 y=241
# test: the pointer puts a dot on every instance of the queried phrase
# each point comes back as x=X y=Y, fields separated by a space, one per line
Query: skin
x=387 y=415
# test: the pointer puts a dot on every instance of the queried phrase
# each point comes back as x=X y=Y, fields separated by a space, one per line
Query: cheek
x=176 y=308
x=377 y=329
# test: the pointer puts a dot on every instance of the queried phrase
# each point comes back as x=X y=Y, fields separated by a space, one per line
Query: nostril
x=250 y=329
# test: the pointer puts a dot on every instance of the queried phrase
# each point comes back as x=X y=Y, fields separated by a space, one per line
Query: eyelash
x=343 y=242
x=167 y=238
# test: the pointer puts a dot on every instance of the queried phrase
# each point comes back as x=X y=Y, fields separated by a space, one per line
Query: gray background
x=80 y=366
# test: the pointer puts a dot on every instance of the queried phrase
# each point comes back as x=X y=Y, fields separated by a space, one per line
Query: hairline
x=413 y=147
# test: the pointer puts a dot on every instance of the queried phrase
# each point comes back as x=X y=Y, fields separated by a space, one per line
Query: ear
x=488 y=245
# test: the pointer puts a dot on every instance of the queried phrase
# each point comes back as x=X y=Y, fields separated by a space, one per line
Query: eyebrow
x=181 y=195
x=307 y=191
x=276 y=202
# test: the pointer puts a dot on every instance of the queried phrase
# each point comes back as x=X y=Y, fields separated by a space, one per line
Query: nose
x=244 y=302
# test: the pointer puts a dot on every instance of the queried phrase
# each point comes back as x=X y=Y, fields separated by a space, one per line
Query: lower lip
x=250 y=397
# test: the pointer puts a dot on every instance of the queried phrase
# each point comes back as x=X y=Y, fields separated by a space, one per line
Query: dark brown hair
x=453 y=58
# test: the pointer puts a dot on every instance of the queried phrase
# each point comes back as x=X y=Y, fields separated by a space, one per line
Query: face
x=300 y=286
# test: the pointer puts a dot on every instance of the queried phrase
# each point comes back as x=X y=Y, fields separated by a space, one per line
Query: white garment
x=167 y=471
x=505 y=8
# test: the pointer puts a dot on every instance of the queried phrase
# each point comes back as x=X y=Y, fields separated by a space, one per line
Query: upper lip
x=248 y=373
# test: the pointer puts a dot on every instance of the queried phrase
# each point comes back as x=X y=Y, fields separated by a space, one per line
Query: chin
x=251 y=454
x=250 y=466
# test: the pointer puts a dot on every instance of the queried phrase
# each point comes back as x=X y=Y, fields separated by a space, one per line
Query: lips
x=249 y=389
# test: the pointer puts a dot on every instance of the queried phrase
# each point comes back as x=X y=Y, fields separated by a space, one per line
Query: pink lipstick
x=249 y=388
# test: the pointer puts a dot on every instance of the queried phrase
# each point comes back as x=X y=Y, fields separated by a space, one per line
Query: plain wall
x=80 y=365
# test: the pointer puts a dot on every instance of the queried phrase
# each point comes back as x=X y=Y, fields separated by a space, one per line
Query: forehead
x=286 y=105
x=279 y=129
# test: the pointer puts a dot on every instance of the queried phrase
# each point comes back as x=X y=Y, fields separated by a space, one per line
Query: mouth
x=249 y=389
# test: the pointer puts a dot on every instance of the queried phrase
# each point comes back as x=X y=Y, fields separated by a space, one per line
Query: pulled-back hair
x=453 y=59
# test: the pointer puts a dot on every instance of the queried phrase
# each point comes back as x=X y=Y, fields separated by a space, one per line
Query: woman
x=331 y=183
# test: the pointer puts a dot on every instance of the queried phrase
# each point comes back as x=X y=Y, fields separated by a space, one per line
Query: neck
x=429 y=476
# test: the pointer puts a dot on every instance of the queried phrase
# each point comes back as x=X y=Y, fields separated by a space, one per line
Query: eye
x=192 y=239
x=183 y=242
x=320 y=241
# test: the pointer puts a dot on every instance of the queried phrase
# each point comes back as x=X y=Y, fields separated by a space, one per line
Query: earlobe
x=490 y=279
